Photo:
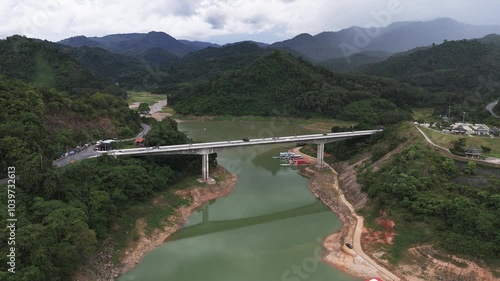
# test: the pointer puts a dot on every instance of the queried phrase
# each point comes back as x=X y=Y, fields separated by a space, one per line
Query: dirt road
x=358 y=267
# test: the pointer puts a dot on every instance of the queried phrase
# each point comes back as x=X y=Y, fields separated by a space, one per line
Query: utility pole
x=463 y=119
x=449 y=111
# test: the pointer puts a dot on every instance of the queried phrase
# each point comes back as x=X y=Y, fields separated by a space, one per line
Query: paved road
x=145 y=130
x=89 y=152
x=490 y=107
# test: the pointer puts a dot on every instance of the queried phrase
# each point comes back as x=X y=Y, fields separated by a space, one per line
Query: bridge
x=207 y=148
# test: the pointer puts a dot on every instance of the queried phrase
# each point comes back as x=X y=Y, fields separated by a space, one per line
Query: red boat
x=298 y=162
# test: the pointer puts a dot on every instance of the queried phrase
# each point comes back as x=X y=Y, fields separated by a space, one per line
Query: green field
x=475 y=141
x=424 y=114
x=146 y=97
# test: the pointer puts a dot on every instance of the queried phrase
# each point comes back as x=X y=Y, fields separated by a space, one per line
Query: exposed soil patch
x=429 y=265
x=385 y=236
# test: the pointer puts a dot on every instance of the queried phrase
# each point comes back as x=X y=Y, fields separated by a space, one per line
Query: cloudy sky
x=223 y=21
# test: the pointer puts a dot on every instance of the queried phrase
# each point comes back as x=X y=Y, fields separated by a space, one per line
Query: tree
x=143 y=108
x=459 y=145
x=471 y=168
x=485 y=149
x=449 y=166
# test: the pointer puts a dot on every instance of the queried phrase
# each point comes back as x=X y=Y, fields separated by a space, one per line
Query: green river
x=269 y=228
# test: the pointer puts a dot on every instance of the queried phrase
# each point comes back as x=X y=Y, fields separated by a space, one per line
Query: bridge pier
x=205 y=170
x=320 y=156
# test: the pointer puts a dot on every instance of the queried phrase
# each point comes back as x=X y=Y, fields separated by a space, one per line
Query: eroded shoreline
x=325 y=186
x=198 y=195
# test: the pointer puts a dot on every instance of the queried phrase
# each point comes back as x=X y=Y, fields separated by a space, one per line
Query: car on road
x=349 y=245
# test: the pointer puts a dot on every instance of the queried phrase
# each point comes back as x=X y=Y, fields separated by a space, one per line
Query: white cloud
x=205 y=19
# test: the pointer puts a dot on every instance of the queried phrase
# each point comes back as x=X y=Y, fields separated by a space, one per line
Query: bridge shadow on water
x=208 y=227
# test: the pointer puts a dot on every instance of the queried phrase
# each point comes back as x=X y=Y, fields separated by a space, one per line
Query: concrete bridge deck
x=207 y=148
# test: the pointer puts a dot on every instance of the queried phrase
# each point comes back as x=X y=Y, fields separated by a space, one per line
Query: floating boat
x=288 y=154
x=298 y=162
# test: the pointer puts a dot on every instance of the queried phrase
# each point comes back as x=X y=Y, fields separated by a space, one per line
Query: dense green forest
x=209 y=63
x=159 y=71
x=281 y=84
x=64 y=214
x=127 y=71
x=44 y=123
x=463 y=74
x=351 y=63
x=434 y=199
x=45 y=64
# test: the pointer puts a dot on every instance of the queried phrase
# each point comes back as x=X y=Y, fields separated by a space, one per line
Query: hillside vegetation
x=463 y=74
x=434 y=199
x=452 y=205
x=46 y=65
x=280 y=84
x=44 y=123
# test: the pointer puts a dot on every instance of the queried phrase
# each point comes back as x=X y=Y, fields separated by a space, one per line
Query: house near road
x=470 y=129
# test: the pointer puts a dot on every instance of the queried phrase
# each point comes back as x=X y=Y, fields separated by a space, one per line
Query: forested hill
x=280 y=84
x=454 y=66
x=210 y=63
x=45 y=64
x=127 y=71
x=43 y=122
x=65 y=214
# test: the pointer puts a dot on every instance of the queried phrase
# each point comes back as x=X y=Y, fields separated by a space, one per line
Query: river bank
x=325 y=186
x=369 y=261
x=101 y=268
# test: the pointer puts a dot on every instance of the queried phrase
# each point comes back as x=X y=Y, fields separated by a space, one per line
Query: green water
x=269 y=228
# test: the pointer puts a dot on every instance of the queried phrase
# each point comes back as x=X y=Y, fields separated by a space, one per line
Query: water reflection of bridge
x=208 y=227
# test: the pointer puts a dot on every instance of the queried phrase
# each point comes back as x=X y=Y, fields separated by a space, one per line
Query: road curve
x=429 y=140
x=490 y=107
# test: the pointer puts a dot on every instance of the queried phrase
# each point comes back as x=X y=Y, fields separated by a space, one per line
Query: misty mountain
x=137 y=43
x=198 y=45
x=397 y=37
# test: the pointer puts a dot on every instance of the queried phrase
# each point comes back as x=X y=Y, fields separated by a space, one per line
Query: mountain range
x=395 y=38
x=374 y=43
x=137 y=43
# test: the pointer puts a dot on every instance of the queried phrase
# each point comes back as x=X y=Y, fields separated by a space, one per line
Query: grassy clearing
x=476 y=141
x=424 y=114
x=146 y=97
x=169 y=110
